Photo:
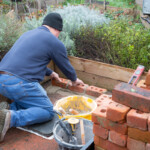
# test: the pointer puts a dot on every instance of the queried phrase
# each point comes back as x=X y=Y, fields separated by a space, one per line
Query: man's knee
x=51 y=112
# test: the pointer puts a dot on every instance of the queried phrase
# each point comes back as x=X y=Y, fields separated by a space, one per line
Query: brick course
x=116 y=112
x=135 y=145
x=147 y=81
x=137 y=119
x=117 y=138
x=100 y=131
x=140 y=135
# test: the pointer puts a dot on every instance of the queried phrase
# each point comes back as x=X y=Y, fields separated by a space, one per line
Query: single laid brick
x=105 y=144
x=117 y=138
x=132 y=96
x=137 y=119
x=148 y=146
x=99 y=117
x=147 y=81
x=140 y=135
x=100 y=131
x=116 y=112
x=78 y=88
x=95 y=91
x=135 y=145
x=63 y=83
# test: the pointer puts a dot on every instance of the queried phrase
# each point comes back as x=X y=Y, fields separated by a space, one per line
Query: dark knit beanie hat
x=53 y=20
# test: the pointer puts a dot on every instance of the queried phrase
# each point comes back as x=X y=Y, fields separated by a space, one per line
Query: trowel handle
x=57 y=112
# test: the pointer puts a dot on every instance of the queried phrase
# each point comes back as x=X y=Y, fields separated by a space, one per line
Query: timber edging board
x=99 y=74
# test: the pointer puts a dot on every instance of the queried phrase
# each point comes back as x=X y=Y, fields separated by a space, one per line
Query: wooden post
x=104 y=4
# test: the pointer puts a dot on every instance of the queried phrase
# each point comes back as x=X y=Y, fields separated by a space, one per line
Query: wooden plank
x=145 y=23
x=102 y=69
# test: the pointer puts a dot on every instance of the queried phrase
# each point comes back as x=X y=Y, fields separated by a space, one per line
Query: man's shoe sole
x=4 y=105
x=6 y=125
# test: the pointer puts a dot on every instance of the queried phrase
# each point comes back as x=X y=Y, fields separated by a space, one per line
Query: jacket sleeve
x=60 y=58
x=48 y=71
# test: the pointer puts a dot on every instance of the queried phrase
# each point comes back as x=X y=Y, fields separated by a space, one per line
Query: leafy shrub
x=121 y=43
x=129 y=43
x=74 y=17
x=73 y=2
x=90 y=44
x=10 y=30
x=122 y=3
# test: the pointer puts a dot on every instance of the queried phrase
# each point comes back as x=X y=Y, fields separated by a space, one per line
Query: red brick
x=117 y=138
x=94 y=119
x=140 y=135
x=137 y=119
x=78 y=88
x=64 y=83
x=103 y=100
x=95 y=91
x=116 y=112
x=100 y=142
x=100 y=111
x=105 y=144
x=149 y=123
x=147 y=81
x=96 y=140
x=132 y=96
x=135 y=145
x=100 y=131
x=112 y=146
x=99 y=117
x=148 y=146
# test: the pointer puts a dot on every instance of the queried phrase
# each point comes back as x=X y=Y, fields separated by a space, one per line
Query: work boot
x=4 y=105
x=5 y=117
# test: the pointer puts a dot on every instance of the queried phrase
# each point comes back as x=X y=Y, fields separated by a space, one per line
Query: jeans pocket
x=14 y=91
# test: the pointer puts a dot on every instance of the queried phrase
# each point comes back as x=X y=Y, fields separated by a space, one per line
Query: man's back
x=31 y=53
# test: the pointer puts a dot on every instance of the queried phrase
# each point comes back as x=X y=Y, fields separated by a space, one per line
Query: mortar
x=84 y=105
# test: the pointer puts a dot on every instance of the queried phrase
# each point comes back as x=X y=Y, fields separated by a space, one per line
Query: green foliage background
x=10 y=30
x=122 y=43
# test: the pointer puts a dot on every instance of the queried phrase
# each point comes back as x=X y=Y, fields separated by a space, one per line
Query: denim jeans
x=30 y=101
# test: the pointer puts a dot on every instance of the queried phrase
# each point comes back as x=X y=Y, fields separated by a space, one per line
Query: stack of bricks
x=145 y=83
x=85 y=89
x=122 y=122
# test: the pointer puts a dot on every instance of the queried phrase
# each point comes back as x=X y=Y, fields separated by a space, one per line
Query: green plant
x=122 y=42
x=90 y=44
x=121 y=3
x=129 y=43
x=73 y=2
x=10 y=30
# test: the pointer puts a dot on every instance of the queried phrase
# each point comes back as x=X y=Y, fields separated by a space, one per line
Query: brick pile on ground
x=122 y=122
x=145 y=83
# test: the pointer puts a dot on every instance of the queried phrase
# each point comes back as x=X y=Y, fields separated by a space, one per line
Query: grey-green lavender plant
x=74 y=17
